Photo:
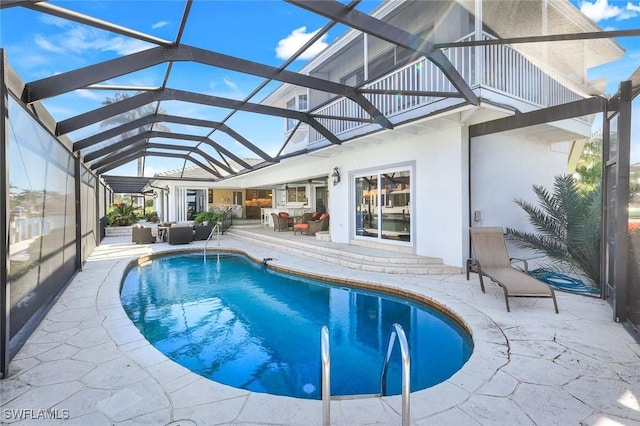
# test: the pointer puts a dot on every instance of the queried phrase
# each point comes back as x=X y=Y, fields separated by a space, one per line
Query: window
x=302 y=104
x=291 y=104
x=355 y=78
x=383 y=205
x=296 y=194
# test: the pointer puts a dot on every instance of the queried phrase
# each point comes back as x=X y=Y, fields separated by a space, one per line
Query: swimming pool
x=234 y=321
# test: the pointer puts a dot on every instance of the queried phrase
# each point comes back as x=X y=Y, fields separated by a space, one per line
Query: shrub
x=209 y=217
x=568 y=222
x=122 y=214
x=150 y=215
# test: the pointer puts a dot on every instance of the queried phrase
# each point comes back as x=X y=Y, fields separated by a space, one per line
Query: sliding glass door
x=382 y=205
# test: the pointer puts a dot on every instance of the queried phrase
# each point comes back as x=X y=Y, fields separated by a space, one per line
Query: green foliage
x=209 y=217
x=568 y=225
x=150 y=215
x=121 y=214
x=122 y=199
x=588 y=172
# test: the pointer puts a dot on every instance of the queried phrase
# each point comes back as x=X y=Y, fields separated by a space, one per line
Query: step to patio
x=247 y=223
x=351 y=256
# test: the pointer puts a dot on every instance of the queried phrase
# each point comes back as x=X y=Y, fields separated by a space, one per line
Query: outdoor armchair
x=302 y=223
x=142 y=235
x=492 y=260
x=321 y=224
x=280 y=222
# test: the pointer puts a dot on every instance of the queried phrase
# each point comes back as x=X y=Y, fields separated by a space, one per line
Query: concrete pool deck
x=88 y=364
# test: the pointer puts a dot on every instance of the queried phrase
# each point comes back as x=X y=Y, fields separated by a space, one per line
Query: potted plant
x=207 y=217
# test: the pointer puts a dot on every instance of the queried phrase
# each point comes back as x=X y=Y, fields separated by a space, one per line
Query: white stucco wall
x=504 y=168
x=439 y=191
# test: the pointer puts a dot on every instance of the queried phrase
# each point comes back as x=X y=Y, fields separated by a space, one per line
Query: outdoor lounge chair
x=142 y=235
x=492 y=260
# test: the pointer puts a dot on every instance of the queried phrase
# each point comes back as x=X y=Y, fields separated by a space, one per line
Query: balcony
x=528 y=84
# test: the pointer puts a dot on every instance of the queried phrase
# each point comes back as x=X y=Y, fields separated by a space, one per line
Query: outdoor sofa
x=178 y=234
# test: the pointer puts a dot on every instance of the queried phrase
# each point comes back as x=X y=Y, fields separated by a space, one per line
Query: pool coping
x=88 y=357
x=489 y=345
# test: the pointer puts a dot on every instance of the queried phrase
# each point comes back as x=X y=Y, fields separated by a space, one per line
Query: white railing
x=527 y=82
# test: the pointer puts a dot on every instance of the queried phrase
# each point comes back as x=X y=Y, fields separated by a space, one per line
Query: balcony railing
x=527 y=83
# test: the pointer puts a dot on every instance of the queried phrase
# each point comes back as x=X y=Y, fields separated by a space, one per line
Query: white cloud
x=294 y=41
x=228 y=89
x=159 y=24
x=82 y=40
x=126 y=46
x=89 y=94
x=149 y=170
x=230 y=84
x=601 y=10
x=46 y=44
x=54 y=20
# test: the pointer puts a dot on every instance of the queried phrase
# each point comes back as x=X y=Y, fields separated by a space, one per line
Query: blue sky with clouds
x=618 y=15
x=264 y=31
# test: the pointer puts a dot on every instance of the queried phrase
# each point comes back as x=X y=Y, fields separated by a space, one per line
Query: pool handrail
x=326 y=376
x=215 y=228
x=398 y=332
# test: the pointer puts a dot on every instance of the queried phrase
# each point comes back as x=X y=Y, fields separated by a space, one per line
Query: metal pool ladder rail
x=397 y=332
x=214 y=229
x=325 y=390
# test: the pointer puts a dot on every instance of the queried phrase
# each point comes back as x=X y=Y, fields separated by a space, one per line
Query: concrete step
x=351 y=256
x=247 y=223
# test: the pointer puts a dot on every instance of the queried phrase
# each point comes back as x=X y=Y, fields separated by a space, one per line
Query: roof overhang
x=126 y=184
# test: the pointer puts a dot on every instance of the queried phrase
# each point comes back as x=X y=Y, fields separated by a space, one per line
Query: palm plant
x=122 y=214
x=568 y=225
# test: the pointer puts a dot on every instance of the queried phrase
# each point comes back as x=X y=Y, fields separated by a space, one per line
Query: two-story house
x=412 y=179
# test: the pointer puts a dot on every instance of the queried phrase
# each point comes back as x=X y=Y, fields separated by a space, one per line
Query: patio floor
x=88 y=365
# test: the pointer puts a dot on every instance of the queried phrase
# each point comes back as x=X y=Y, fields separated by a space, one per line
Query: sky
x=617 y=15
x=264 y=31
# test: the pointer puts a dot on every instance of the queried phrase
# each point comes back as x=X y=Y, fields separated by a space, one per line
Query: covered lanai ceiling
x=135 y=116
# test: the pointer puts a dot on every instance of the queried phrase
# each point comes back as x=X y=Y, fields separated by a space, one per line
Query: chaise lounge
x=492 y=261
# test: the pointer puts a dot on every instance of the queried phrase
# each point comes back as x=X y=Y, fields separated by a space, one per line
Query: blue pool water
x=244 y=325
